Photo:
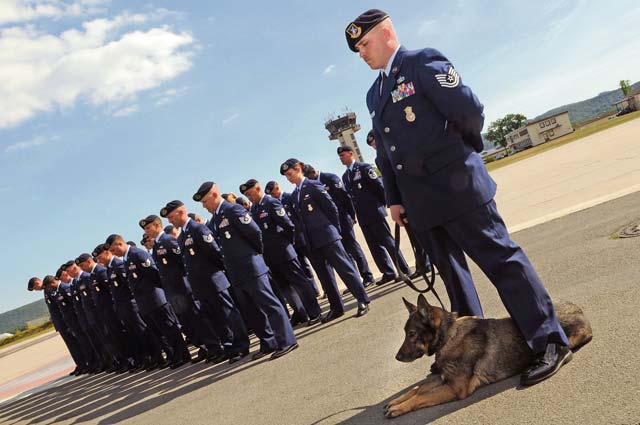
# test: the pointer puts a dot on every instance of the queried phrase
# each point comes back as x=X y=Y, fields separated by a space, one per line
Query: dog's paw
x=393 y=411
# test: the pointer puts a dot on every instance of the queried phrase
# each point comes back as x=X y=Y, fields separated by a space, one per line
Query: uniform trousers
x=271 y=325
x=354 y=250
x=164 y=320
x=483 y=236
x=299 y=290
x=382 y=247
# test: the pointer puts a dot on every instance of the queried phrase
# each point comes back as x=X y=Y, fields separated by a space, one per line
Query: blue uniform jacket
x=54 y=311
x=241 y=242
x=64 y=300
x=367 y=192
x=298 y=237
x=82 y=288
x=277 y=230
x=118 y=284
x=427 y=126
x=318 y=214
x=100 y=288
x=144 y=280
x=336 y=189
x=77 y=304
x=167 y=254
x=202 y=258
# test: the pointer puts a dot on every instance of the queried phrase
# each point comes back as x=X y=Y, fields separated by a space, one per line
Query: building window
x=542 y=124
x=523 y=132
x=553 y=120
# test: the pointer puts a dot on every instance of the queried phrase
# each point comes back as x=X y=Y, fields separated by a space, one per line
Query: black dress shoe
x=295 y=321
x=283 y=351
x=415 y=275
x=385 y=279
x=332 y=315
x=434 y=368
x=363 y=308
x=346 y=291
x=217 y=357
x=181 y=362
x=164 y=364
x=75 y=372
x=202 y=355
x=260 y=354
x=367 y=283
x=315 y=320
x=546 y=364
x=233 y=358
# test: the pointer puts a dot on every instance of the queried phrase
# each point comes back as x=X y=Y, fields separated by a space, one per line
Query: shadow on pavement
x=373 y=414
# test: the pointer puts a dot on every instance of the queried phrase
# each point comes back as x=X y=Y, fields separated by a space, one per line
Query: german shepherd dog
x=470 y=352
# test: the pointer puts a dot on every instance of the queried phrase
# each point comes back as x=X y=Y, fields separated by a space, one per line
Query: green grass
x=572 y=137
x=28 y=333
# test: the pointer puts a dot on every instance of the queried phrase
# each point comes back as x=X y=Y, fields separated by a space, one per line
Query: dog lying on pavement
x=470 y=352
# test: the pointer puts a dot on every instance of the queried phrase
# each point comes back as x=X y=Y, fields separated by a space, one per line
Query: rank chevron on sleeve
x=449 y=80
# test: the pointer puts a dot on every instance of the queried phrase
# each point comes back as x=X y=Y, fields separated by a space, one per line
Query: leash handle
x=430 y=280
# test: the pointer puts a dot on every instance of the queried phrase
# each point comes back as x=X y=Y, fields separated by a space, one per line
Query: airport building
x=629 y=104
x=540 y=131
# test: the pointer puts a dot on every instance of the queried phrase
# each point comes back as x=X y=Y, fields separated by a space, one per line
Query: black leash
x=430 y=279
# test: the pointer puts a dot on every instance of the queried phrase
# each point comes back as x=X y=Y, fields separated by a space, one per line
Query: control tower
x=343 y=128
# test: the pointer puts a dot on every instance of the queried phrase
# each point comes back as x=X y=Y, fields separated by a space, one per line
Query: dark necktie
x=381 y=81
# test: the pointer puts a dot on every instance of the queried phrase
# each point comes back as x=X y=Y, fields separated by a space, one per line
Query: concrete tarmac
x=345 y=371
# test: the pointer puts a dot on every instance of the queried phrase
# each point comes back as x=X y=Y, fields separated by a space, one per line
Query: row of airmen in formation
x=125 y=308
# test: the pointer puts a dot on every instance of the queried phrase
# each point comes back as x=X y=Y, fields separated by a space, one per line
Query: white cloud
x=329 y=70
x=230 y=119
x=125 y=111
x=28 y=144
x=98 y=64
x=12 y=11
x=169 y=95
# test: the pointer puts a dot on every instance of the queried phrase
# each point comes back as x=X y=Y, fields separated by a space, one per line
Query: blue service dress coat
x=427 y=126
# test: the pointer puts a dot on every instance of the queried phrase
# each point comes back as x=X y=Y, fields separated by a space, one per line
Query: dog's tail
x=574 y=323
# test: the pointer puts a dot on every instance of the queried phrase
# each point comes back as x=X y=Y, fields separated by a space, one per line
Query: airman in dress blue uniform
x=365 y=188
x=279 y=254
x=272 y=188
x=347 y=213
x=427 y=127
x=195 y=325
x=59 y=321
x=320 y=225
x=146 y=346
x=196 y=250
x=110 y=326
x=144 y=281
x=240 y=241
x=86 y=311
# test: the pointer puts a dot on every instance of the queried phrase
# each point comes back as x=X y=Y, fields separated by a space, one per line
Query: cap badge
x=353 y=30
x=400 y=79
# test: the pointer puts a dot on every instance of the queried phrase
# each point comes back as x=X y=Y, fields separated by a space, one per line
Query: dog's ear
x=410 y=307
x=424 y=308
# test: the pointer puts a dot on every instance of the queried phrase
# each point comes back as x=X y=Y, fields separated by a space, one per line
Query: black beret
x=98 y=250
x=132 y=243
x=362 y=25
x=370 y=137
x=31 y=283
x=48 y=280
x=150 y=219
x=344 y=149
x=82 y=258
x=170 y=207
x=248 y=185
x=59 y=273
x=202 y=191
x=111 y=239
x=307 y=170
x=240 y=200
x=289 y=163
x=269 y=186
x=169 y=229
x=144 y=239
x=68 y=264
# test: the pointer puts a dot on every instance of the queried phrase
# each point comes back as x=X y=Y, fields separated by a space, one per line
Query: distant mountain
x=19 y=317
x=590 y=108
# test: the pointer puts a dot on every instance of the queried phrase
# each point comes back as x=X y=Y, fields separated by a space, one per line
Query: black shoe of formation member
x=180 y=362
x=260 y=354
x=368 y=283
x=233 y=358
x=363 y=308
x=284 y=351
x=546 y=364
x=385 y=279
x=216 y=357
x=202 y=355
x=164 y=364
x=315 y=320
x=332 y=315
x=295 y=321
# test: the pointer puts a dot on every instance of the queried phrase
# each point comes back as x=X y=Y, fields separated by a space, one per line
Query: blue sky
x=109 y=109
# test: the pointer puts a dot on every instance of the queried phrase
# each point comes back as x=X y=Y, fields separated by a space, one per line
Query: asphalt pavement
x=345 y=371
